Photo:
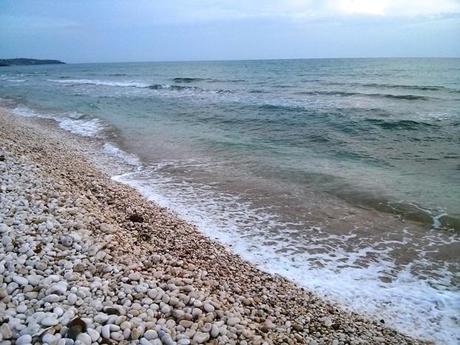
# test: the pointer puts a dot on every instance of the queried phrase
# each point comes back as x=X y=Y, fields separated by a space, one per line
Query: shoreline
x=186 y=285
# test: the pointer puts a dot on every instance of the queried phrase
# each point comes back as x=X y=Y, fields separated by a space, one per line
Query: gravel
x=85 y=260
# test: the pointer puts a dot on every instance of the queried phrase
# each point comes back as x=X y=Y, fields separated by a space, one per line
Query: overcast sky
x=152 y=30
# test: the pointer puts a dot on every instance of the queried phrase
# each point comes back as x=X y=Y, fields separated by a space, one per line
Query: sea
x=342 y=175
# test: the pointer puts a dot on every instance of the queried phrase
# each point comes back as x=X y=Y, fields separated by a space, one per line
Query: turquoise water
x=341 y=174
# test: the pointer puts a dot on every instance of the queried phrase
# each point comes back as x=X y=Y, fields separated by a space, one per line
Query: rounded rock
x=50 y=320
x=85 y=338
x=201 y=337
x=150 y=334
x=24 y=339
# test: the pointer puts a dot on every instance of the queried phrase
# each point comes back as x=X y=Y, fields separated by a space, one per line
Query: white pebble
x=20 y=280
x=24 y=339
x=84 y=338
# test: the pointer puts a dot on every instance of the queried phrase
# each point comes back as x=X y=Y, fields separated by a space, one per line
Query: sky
x=171 y=30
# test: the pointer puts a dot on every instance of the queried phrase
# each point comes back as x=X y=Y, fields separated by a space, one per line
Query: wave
x=16 y=80
x=396 y=86
x=226 y=80
x=405 y=87
x=136 y=85
x=404 y=301
x=350 y=94
x=209 y=80
x=83 y=127
x=184 y=88
x=99 y=82
x=72 y=121
x=400 y=124
x=187 y=80
x=277 y=107
x=121 y=155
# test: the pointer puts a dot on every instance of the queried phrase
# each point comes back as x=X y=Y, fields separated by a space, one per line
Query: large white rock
x=58 y=288
x=5 y=331
x=20 y=280
x=49 y=320
x=85 y=338
x=24 y=339
x=105 y=331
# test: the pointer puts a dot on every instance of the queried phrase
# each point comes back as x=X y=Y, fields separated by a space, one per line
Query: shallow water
x=343 y=175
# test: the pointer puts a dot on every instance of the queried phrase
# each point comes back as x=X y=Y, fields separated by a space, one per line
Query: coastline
x=167 y=281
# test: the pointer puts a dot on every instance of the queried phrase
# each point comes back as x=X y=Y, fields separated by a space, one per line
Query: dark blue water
x=342 y=174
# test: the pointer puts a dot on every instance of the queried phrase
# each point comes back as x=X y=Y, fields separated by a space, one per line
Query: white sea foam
x=407 y=303
x=99 y=82
x=118 y=153
x=86 y=128
x=71 y=121
x=24 y=111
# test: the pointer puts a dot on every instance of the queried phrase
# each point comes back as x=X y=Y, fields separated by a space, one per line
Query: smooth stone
x=114 y=328
x=166 y=309
x=72 y=298
x=150 y=334
x=58 y=311
x=22 y=308
x=53 y=298
x=215 y=331
x=48 y=338
x=208 y=307
x=186 y=323
x=5 y=331
x=85 y=338
x=165 y=340
x=201 y=337
x=34 y=279
x=49 y=321
x=232 y=321
x=327 y=322
x=66 y=241
x=144 y=341
x=107 y=228
x=105 y=331
x=101 y=318
x=117 y=336
x=93 y=334
x=58 y=288
x=125 y=325
x=20 y=280
x=24 y=339
x=135 y=276
x=137 y=332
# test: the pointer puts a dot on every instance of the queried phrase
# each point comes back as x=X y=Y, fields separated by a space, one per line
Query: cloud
x=237 y=9
x=399 y=8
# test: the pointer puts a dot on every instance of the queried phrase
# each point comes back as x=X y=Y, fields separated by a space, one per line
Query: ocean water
x=340 y=174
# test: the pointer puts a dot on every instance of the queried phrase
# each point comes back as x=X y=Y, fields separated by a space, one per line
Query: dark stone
x=38 y=248
x=111 y=311
x=136 y=218
x=145 y=236
x=76 y=326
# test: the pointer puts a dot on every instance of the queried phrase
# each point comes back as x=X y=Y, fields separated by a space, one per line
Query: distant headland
x=23 y=61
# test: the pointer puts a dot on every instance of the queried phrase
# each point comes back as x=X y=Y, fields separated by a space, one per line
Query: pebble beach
x=87 y=260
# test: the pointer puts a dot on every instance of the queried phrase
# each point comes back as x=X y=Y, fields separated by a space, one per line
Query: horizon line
x=247 y=59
